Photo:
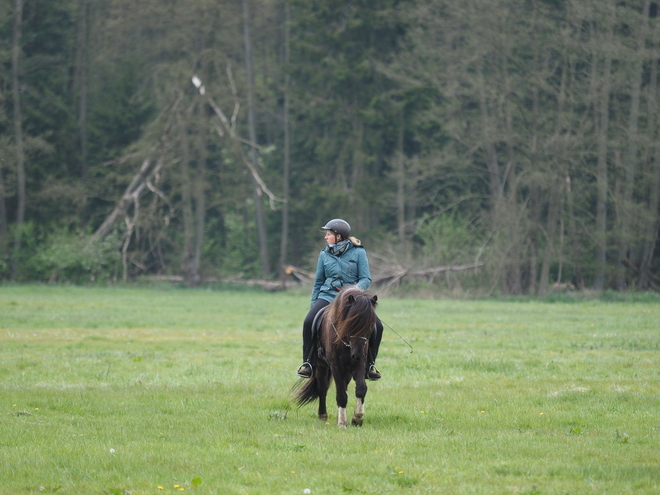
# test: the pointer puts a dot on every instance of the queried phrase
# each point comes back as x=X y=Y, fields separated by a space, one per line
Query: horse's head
x=353 y=313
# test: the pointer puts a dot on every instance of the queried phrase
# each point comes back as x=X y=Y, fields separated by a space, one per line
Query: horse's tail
x=308 y=392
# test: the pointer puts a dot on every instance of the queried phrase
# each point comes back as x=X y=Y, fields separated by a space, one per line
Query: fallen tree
x=389 y=276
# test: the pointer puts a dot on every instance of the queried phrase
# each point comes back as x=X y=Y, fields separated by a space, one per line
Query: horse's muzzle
x=357 y=356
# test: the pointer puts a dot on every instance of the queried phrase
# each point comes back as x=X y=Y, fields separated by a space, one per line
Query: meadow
x=169 y=390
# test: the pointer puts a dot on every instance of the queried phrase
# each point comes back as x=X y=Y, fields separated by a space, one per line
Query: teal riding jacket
x=333 y=272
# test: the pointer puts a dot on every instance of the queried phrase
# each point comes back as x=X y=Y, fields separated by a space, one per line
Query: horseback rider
x=342 y=262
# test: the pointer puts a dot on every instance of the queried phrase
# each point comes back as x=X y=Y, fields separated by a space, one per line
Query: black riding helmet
x=338 y=226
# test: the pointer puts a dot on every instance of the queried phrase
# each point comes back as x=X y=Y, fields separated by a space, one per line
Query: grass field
x=147 y=391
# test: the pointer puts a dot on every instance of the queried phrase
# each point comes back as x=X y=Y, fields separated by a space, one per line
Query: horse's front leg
x=341 y=386
x=360 y=394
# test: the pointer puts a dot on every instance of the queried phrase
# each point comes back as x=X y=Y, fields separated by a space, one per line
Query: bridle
x=347 y=344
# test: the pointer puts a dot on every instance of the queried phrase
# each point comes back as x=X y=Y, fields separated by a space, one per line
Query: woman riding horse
x=342 y=262
x=343 y=338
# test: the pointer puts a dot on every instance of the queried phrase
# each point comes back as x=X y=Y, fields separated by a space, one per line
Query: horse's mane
x=353 y=312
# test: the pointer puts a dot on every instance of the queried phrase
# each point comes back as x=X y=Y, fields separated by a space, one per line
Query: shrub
x=71 y=257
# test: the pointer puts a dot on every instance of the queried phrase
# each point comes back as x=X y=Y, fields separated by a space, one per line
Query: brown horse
x=343 y=341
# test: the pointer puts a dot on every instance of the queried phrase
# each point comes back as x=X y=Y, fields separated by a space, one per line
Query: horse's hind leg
x=323 y=410
x=323 y=380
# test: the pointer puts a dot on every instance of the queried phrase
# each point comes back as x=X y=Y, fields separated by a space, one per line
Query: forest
x=501 y=147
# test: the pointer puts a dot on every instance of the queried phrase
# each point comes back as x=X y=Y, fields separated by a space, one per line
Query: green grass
x=124 y=390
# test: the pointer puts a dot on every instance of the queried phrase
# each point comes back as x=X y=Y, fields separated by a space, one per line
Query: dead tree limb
x=230 y=128
x=131 y=194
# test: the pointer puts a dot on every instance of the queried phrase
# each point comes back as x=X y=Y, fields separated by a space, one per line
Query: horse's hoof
x=357 y=421
x=342 y=427
x=323 y=417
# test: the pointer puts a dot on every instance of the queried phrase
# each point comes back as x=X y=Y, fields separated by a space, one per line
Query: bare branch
x=237 y=140
x=132 y=193
x=237 y=105
x=134 y=188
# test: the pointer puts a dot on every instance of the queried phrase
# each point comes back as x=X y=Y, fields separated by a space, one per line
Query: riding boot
x=307 y=343
x=305 y=370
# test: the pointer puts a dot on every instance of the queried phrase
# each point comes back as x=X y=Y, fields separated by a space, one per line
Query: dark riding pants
x=309 y=355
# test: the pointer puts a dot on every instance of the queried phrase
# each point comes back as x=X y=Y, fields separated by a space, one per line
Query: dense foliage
x=513 y=141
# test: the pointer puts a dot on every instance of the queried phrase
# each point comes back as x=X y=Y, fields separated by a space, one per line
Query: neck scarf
x=339 y=248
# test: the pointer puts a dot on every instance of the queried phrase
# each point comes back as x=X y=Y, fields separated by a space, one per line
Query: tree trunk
x=534 y=219
x=497 y=207
x=554 y=184
x=578 y=272
x=258 y=201
x=3 y=219
x=534 y=228
x=567 y=94
x=401 y=184
x=627 y=220
x=652 y=220
x=82 y=59
x=514 y=275
x=18 y=135
x=199 y=184
x=360 y=216
x=602 y=110
x=535 y=196
x=284 y=244
x=490 y=155
x=187 y=256
x=551 y=229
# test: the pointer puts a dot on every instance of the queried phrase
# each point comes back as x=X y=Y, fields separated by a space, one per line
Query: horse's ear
x=351 y=298
x=374 y=300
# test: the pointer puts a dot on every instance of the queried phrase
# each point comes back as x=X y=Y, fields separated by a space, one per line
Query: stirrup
x=373 y=374
x=305 y=370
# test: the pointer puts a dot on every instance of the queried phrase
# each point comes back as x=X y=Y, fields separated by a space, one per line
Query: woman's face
x=330 y=237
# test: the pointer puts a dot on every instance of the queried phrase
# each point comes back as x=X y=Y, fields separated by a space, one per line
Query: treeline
x=495 y=146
